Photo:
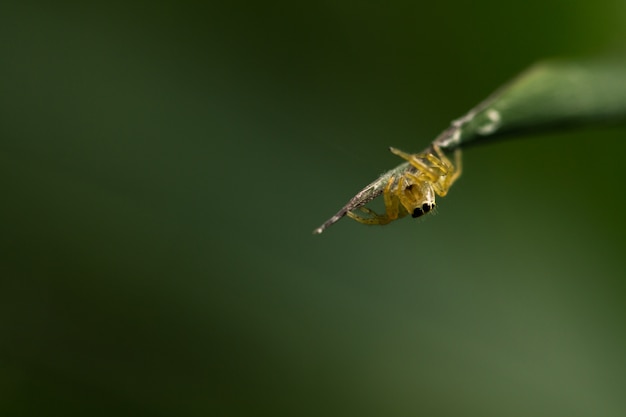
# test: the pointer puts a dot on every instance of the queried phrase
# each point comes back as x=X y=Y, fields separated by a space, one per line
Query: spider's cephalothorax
x=413 y=192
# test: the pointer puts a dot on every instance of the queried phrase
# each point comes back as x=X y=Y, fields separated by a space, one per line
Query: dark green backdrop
x=162 y=167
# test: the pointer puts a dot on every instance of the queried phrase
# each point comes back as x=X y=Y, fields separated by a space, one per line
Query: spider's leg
x=442 y=156
x=392 y=207
x=458 y=165
x=456 y=168
x=391 y=199
x=436 y=172
x=444 y=166
x=443 y=185
x=374 y=218
x=415 y=161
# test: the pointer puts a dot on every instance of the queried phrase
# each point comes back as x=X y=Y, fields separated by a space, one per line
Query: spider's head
x=419 y=198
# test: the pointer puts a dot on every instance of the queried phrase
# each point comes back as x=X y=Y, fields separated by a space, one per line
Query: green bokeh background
x=162 y=166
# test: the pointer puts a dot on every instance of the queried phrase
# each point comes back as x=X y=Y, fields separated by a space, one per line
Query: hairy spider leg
x=374 y=219
x=391 y=207
x=458 y=164
x=391 y=198
x=441 y=172
x=457 y=167
x=454 y=172
x=432 y=173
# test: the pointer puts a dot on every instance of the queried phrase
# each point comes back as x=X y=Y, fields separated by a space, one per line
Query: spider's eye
x=420 y=211
x=417 y=212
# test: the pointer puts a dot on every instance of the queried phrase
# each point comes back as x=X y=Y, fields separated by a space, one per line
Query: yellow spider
x=413 y=192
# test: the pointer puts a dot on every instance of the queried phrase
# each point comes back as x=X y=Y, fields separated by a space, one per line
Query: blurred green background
x=162 y=166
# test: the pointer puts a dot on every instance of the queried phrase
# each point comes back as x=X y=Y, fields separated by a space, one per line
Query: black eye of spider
x=420 y=211
x=417 y=212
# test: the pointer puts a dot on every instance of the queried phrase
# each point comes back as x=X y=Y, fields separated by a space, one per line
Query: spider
x=414 y=191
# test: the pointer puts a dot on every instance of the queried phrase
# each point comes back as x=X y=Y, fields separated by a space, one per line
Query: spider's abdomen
x=420 y=211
